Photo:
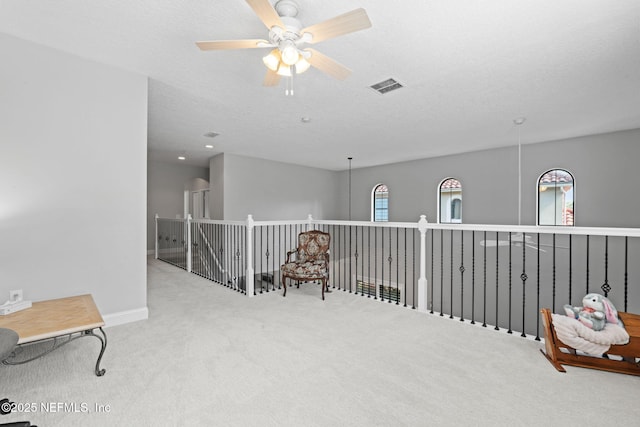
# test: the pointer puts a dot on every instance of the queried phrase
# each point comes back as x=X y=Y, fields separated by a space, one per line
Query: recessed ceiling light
x=208 y=146
x=305 y=119
x=181 y=157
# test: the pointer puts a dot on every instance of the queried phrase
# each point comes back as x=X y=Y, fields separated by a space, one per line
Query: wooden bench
x=60 y=321
x=626 y=361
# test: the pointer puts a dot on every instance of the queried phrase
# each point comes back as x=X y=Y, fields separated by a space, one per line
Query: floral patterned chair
x=310 y=261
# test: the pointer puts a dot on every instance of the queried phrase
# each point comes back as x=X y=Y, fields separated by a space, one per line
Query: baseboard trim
x=127 y=316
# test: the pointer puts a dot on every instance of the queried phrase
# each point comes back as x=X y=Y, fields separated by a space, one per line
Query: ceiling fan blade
x=271 y=78
x=266 y=13
x=349 y=22
x=327 y=65
x=232 y=44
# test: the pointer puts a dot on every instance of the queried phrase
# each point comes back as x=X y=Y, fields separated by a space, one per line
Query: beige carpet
x=209 y=356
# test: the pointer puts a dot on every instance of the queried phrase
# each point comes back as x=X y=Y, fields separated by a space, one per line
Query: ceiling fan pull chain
x=289 y=89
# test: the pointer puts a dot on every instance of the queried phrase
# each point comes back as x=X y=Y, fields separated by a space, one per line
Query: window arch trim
x=452 y=184
x=380 y=212
x=568 y=215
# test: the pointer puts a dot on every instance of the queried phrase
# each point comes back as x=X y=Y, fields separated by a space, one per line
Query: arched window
x=555 y=198
x=450 y=200
x=380 y=203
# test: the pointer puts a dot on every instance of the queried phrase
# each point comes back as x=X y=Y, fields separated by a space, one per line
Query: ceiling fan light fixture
x=302 y=65
x=284 y=70
x=289 y=53
x=272 y=60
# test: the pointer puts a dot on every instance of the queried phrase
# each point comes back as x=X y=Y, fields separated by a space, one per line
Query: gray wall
x=216 y=187
x=166 y=184
x=604 y=167
x=72 y=179
x=273 y=190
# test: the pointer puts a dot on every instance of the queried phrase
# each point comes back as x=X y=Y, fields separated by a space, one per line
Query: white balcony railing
x=493 y=275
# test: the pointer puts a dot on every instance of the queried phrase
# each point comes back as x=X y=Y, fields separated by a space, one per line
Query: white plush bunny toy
x=596 y=311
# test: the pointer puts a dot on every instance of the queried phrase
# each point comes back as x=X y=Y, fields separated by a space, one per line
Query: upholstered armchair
x=310 y=261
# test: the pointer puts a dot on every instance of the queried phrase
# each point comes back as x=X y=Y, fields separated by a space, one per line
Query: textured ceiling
x=469 y=67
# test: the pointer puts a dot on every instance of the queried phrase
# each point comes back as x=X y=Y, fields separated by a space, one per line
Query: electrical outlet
x=15 y=296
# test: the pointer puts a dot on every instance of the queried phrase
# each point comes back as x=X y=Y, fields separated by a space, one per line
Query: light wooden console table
x=59 y=321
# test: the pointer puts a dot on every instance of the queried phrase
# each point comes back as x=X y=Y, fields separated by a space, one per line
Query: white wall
x=72 y=179
x=165 y=191
x=605 y=168
x=274 y=190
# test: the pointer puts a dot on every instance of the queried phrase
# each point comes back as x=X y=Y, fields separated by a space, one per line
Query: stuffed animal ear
x=610 y=311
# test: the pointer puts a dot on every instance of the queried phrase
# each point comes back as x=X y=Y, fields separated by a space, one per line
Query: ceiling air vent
x=386 y=86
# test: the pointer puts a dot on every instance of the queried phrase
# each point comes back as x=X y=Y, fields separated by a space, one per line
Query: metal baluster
x=553 y=271
x=375 y=262
x=473 y=277
x=381 y=286
x=405 y=267
x=390 y=259
x=268 y=255
x=339 y=259
x=280 y=254
x=570 y=265
x=241 y=272
x=222 y=255
x=235 y=258
x=254 y=260
x=356 y=255
x=509 y=331
x=451 y=274
x=232 y=257
x=398 y=267
x=413 y=276
x=261 y=258
x=484 y=282
x=362 y=264
x=626 y=271
x=537 y=290
x=369 y=262
x=441 y=271
x=210 y=260
x=273 y=256
x=244 y=262
x=524 y=277
x=347 y=259
x=605 y=286
x=461 y=275
x=432 y=268
x=497 y=279
x=350 y=258
x=588 y=240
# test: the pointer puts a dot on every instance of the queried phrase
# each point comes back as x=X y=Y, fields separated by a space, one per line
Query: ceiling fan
x=287 y=37
x=517 y=239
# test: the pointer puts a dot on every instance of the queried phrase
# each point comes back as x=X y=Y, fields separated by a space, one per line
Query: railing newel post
x=188 y=225
x=422 y=280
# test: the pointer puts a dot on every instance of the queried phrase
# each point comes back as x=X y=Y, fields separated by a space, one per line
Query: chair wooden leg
x=284 y=285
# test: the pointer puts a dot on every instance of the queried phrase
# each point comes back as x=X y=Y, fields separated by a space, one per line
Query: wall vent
x=386 y=86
